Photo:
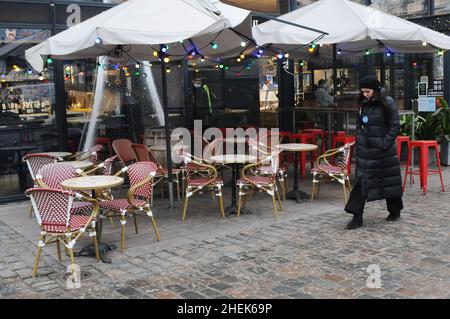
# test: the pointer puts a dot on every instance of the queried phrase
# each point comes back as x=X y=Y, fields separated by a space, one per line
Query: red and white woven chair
x=92 y=154
x=261 y=150
x=144 y=154
x=141 y=175
x=52 y=175
x=34 y=163
x=196 y=180
x=53 y=209
x=324 y=170
x=260 y=176
x=104 y=168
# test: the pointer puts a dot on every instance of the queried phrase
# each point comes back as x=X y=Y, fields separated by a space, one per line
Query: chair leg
x=152 y=219
x=123 y=221
x=349 y=184
x=222 y=212
x=72 y=264
x=135 y=224
x=38 y=255
x=58 y=250
x=313 y=190
x=31 y=211
x=183 y=215
x=244 y=201
x=283 y=192
x=275 y=206
x=278 y=197
x=178 y=187
x=239 y=201
x=440 y=169
x=345 y=192
x=95 y=243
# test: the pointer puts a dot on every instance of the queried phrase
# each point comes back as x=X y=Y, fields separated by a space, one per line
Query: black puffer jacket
x=377 y=163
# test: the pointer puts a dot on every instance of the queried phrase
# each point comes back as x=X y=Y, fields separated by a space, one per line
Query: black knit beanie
x=370 y=82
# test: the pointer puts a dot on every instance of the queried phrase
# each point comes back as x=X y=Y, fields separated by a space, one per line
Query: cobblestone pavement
x=306 y=253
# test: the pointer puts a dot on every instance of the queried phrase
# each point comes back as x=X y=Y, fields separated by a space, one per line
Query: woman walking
x=377 y=164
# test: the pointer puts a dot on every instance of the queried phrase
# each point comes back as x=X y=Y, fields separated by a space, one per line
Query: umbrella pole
x=333 y=118
x=167 y=132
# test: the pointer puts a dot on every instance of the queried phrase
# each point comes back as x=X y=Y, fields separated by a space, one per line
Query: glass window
x=441 y=6
x=402 y=8
x=27 y=102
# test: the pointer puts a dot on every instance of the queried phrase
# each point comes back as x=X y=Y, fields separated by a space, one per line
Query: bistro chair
x=141 y=175
x=34 y=163
x=123 y=148
x=92 y=154
x=53 y=209
x=324 y=170
x=257 y=176
x=144 y=154
x=52 y=175
x=104 y=168
x=260 y=150
x=196 y=181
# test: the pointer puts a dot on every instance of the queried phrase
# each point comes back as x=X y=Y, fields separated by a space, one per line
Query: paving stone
x=191 y=295
x=301 y=295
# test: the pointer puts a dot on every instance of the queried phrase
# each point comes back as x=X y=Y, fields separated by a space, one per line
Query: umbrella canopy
x=352 y=26
x=140 y=26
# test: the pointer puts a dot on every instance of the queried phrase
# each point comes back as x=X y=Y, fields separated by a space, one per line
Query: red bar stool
x=307 y=138
x=423 y=170
x=318 y=132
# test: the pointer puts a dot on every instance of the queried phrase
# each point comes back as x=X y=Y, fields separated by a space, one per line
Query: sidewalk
x=306 y=253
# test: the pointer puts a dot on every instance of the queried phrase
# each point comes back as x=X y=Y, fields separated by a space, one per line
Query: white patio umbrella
x=135 y=29
x=143 y=25
x=353 y=27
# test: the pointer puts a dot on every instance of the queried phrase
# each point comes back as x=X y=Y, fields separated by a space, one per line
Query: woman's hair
x=377 y=96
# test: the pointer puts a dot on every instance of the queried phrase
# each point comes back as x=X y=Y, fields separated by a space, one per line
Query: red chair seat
x=76 y=222
x=81 y=207
x=120 y=204
x=258 y=180
x=328 y=169
x=202 y=181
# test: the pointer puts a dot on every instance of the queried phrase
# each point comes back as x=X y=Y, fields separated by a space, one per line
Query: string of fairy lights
x=194 y=55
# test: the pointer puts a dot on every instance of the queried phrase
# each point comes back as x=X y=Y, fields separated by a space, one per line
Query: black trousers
x=356 y=202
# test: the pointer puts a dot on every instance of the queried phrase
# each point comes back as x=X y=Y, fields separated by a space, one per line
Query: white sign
x=427 y=104
x=424 y=78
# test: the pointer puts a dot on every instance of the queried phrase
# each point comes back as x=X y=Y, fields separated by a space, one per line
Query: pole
x=334 y=94
x=167 y=132
x=60 y=101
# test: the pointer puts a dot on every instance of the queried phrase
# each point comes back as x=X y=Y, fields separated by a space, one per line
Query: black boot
x=393 y=216
x=356 y=222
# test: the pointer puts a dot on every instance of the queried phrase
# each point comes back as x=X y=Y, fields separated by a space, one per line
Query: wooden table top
x=233 y=159
x=297 y=147
x=92 y=182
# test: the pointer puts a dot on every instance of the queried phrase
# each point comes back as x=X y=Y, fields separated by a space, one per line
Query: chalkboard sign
x=423 y=89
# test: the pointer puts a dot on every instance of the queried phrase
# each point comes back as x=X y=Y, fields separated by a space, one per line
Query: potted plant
x=442 y=116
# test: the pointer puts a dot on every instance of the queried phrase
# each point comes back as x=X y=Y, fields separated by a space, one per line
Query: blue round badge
x=365 y=119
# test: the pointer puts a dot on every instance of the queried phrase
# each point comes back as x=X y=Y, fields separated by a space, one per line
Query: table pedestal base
x=298 y=196
x=103 y=249
x=232 y=210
